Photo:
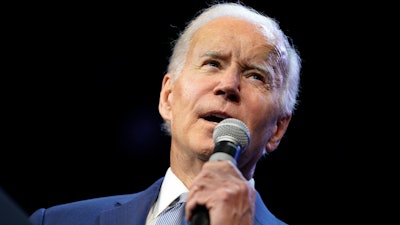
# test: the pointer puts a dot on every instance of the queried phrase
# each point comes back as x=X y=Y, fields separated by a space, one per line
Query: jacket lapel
x=132 y=210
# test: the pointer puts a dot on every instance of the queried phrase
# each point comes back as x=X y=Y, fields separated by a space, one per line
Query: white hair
x=284 y=60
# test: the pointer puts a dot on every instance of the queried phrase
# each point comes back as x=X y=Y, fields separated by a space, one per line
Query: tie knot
x=182 y=197
x=175 y=213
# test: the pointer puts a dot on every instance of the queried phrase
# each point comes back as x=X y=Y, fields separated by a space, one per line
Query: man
x=230 y=62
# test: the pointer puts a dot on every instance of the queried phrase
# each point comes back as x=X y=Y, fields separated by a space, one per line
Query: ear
x=165 y=101
x=279 y=131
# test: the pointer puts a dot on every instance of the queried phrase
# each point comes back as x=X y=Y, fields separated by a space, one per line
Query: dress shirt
x=171 y=189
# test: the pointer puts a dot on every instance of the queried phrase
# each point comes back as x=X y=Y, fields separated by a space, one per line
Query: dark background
x=80 y=106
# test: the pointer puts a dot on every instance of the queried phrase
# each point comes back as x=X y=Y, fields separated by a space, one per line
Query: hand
x=228 y=196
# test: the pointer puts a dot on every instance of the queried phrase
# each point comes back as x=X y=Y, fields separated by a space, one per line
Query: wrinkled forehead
x=232 y=35
x=233 y=26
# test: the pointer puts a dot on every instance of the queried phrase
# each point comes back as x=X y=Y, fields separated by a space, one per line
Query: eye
x=213 y=63
x=256 y=76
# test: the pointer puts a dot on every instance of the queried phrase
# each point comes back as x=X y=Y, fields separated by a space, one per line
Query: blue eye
x=213 y=63
x=257 y=76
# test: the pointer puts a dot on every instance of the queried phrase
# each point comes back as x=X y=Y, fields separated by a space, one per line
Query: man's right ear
x=166 y=98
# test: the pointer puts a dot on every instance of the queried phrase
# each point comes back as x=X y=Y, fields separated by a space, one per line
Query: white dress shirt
x=171 y=189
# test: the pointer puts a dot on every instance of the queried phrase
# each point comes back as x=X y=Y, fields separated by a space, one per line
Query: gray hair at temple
x=284 y=61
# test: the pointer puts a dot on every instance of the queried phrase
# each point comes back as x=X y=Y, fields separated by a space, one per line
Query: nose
x=229 y=85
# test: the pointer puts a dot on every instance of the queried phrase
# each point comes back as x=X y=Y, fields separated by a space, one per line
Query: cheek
x=257 y=103
x=183 y=96
x=265 y=104
x=264 y=120
x=187 y=90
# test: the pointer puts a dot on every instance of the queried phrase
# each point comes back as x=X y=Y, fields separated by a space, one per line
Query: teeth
x=215 y=118
x=219 y=116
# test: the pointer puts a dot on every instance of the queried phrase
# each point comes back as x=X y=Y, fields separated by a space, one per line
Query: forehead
x=230 y=27
x=231 y=36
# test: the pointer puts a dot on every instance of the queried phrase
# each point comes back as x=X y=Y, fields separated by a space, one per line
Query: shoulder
x=263 y=215
x=86 y=212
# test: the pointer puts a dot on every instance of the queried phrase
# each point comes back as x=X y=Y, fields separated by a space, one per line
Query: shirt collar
x=171 y=188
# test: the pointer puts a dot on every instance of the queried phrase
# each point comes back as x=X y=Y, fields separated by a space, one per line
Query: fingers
x=222 y=189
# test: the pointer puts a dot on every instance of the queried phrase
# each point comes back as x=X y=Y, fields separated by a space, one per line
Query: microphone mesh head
x=232 y=130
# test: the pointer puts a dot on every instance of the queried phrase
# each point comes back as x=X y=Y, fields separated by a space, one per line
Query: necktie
x=174 y=214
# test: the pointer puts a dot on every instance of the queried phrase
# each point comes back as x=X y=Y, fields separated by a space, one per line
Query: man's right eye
x=213 y=63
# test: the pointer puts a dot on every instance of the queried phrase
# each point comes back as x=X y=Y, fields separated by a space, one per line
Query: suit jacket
x=129 y=209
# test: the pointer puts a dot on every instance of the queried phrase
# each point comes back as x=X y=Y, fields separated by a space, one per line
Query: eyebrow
x=213 y=54
x=264 y=67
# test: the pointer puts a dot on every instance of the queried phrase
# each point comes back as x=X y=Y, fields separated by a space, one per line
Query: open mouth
x=215 y=118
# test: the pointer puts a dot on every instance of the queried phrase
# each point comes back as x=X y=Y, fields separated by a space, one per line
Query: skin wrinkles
x=233 y=49
x=229 y=61
x=253 y=53
x=246 y=68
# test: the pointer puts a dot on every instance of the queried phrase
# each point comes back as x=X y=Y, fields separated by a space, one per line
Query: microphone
x=231 y=137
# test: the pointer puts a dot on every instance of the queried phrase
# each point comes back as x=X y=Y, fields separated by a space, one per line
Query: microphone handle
x=200 y=216
x=224 y=150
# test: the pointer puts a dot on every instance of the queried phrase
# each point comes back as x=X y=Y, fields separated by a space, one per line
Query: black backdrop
x=81 y=116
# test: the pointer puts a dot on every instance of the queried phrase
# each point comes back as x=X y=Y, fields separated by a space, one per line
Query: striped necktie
x=175 y=213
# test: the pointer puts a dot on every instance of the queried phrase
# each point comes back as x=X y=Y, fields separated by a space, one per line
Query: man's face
x=225 y=75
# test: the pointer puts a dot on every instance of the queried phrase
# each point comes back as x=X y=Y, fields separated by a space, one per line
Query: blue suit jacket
x=129 y=209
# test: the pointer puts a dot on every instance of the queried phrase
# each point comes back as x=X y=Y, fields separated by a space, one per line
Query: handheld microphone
x=231 y=137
